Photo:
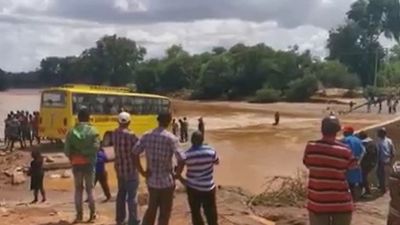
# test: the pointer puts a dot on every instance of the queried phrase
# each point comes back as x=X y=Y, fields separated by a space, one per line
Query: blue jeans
x=127 y=190
x=84 y=177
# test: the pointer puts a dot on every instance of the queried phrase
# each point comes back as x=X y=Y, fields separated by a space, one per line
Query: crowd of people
x=180 y=128
x=161 y=148
x=22 y=127
x=339 y=172
x=392 y=102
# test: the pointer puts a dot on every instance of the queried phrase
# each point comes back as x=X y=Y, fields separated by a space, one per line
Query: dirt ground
x=250 y=148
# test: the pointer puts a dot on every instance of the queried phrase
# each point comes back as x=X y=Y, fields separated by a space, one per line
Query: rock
x=2 y=153
x=3 y=210
x=18 y=178
x=67 y=174
x=55 y=176
x=53 y=213
x=49 y=159
x=8 y=172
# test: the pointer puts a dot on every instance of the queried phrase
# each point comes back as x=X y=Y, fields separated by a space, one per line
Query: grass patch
x=282 y=191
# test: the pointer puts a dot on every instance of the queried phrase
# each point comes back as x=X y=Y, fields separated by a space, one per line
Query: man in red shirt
x=328 y=160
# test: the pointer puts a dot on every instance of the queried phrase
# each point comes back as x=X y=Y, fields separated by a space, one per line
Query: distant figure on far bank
x=379 y=104
x=329 y=199
x=175 y=127
x=386 y=153
x=351 y=105
x=181 y=131
x=395 y=104
x=201 y=126
x=277 y=119
x=185 y=129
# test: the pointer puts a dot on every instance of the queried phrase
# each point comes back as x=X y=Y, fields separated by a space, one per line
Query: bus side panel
x=141 y=124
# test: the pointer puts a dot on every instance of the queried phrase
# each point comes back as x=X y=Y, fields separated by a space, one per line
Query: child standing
x=101 y=173
x=37 y=174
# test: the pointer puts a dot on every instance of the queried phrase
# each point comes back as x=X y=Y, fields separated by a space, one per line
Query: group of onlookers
x=161 y=148
x=22 y=127
x=392 y=102
x=180 y=128
x=339 y=171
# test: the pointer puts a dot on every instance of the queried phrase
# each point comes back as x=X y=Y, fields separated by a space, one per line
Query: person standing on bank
x=81 y=145
x=368 y=162
x=354 y=176
x=101 y=173
x=201 y=126
x=159 y=146
x=329 y=199
x=123 y=140
x=200 y=160
x=36 y=172
x=386 y=153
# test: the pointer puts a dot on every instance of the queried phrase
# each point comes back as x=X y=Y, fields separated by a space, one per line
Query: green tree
x=4 y=83
x=215 y=78
x=302 y=89
x=333 y=74
x=113 y=60
x=356 y=44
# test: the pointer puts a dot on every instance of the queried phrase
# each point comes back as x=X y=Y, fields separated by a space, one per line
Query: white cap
x=124 y=117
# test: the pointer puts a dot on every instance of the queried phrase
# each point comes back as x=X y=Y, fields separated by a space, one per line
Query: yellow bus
x=60 y=105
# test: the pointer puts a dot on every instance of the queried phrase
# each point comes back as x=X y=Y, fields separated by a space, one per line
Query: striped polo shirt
x=328 y=190
x=200 y=163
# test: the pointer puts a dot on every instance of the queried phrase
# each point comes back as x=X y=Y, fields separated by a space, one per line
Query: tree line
x=257 y=73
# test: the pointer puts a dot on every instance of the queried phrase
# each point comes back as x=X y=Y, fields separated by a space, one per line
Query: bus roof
x=99 y=89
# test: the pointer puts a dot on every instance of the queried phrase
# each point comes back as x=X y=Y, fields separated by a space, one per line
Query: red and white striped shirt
x=328 y=161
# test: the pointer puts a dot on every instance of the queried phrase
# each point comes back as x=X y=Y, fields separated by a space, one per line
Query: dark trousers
x=102 y=178
x=365 y=184
x=203 y=200
x=159 y=199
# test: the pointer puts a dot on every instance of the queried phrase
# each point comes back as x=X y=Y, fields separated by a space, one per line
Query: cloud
x=287 y=13
x=34 y=29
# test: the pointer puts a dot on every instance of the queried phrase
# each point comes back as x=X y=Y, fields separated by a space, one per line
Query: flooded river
x=250 y=148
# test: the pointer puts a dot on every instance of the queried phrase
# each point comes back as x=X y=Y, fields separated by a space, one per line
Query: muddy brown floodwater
x=250 y=148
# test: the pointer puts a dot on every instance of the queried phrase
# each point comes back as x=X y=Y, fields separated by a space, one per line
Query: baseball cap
x=348 y=129
x=124 y=117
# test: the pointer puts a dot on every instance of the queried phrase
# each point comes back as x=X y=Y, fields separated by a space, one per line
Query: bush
x=333 y=74
x=302 y=89
x=266 y=95
x=4 y=84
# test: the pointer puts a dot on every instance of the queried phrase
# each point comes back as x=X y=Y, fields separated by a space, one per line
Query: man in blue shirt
x=354 y=176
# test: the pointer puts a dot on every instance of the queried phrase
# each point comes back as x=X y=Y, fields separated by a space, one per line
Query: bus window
x=165 y=105
x=53 y=99
x=127 y=103
x=138 y=103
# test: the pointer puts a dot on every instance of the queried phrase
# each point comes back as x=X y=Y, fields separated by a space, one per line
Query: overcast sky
x=33 y=29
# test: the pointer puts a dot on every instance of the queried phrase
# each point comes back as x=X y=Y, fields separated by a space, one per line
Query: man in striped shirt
x=200 y=160
x=329 y=198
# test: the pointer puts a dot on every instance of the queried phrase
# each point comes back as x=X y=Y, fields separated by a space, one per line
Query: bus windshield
x=53 y=99
x=111 y=104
